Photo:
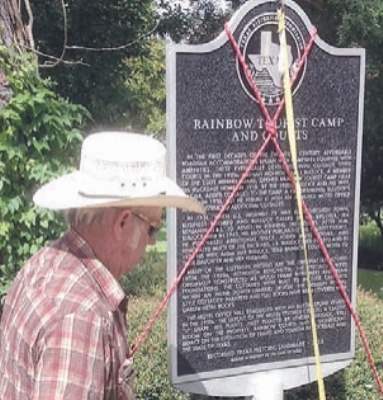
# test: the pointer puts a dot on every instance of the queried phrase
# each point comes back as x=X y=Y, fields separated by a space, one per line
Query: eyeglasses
x=153 y=227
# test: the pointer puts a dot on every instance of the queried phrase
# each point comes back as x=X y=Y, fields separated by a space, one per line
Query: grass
x=152 y=382
x=146 y=286
x=371 y=281
x=355 y=382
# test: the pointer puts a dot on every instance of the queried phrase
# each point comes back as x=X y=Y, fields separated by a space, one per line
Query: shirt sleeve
x=73 y=359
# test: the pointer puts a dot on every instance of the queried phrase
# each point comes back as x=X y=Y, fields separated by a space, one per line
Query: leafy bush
x=97 y=80
x=146 y=286
x=151 y=363
x=148 y=278
x=145 y=87
x=370 y=246
x=152 y=381
x=39 y=139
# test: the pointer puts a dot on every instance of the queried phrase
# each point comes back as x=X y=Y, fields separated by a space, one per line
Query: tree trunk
x=12 y=28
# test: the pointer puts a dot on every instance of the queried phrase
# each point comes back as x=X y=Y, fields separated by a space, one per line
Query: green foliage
x=146 y=286
x=148 y=278
x=152 y=381
x=97 y=80
x=39 y=139
x=370 y=246
x=360 y=25
x=369 y=236
x=151 y=362
x=145 y=88
x=196 y=21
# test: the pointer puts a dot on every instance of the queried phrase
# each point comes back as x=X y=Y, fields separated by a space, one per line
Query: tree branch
x=61 y=58
x=57 y=60
x=68 y=62
x=143 y=36
x=29 y=26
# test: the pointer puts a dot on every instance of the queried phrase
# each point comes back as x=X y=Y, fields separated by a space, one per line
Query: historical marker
x=243 y=307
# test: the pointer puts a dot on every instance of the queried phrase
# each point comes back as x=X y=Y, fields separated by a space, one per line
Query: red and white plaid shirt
x=62 y=330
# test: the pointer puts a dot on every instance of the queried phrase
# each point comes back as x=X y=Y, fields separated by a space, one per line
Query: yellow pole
x=294 y=158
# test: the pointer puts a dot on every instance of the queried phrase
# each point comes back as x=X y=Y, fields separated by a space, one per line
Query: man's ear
x=121 y=223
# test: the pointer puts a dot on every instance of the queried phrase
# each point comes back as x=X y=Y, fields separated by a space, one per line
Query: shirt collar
x=103 y=277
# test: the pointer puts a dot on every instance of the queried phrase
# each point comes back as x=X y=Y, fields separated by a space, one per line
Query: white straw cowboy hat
x=117 y=169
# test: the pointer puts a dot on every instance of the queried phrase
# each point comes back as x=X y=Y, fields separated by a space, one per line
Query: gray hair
x=84 y=216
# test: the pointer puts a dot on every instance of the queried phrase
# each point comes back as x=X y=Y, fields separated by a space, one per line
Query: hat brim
x=63 y=193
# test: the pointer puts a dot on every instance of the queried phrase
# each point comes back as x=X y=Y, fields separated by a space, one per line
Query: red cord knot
x=271 y=128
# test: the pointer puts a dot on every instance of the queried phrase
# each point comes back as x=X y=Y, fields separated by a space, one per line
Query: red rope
x=333 y=270
x=307 y=213
x=152 y=320
x=301 y=62
x=271 y=130
x=248 y=73
x=270 y=122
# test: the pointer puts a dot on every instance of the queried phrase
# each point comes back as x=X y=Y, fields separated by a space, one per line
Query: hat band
x=105 y=178
x=119 y=188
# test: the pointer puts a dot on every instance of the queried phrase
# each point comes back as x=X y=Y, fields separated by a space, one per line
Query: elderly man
x=63 y=331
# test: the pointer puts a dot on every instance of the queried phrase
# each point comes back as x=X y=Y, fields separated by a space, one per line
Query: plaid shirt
x=62 y=330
